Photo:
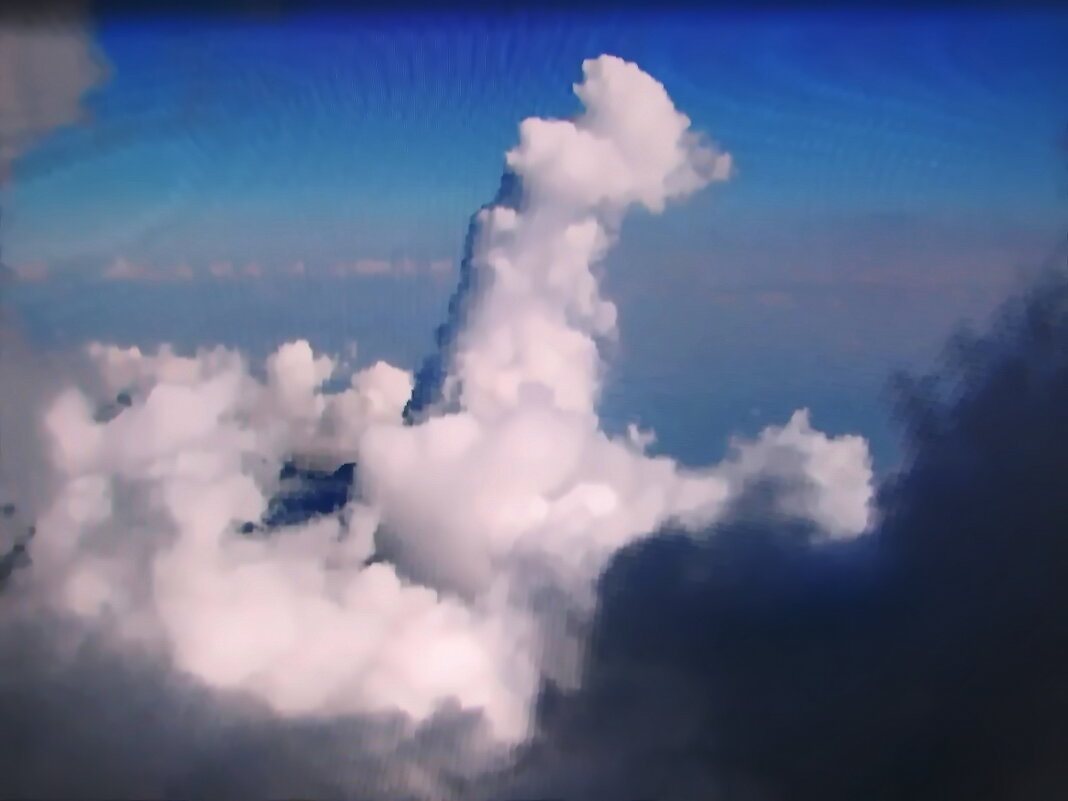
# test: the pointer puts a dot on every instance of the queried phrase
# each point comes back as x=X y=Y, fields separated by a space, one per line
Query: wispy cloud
x=396 y=267
x=364 y=267
x=441 y=267
x=124 y=269
x=221 y=269
x=776 y=299
x=32 y=271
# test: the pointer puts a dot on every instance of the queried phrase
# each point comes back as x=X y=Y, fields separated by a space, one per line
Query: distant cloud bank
x=126 y=269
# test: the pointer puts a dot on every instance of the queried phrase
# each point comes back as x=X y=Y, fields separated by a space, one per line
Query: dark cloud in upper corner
x=926 y=661
x=430 y=377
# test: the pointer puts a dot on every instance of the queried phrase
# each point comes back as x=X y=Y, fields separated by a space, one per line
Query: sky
x=893 y=171
x=660 y=404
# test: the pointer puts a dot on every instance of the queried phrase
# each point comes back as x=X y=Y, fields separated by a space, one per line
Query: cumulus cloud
x=460 y=571
x=505 y=438
x=179 y=469
x=819 y=478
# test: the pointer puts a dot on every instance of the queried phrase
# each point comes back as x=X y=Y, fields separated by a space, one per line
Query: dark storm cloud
x=925 y=661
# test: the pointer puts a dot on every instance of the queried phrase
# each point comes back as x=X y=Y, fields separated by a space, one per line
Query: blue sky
x=892 y=172
x=348 y=136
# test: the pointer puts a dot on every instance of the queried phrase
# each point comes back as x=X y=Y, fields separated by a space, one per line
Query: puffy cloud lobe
x=297 y=619
x=823 y=479
x=630 y=146
x=295 y=374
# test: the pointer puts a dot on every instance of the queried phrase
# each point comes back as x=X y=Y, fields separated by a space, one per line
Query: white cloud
x=508 y=490
x=142 y=529
x=827 y=480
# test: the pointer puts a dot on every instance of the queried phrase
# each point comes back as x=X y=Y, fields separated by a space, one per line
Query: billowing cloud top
x=540 y=307
x=630 y=146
